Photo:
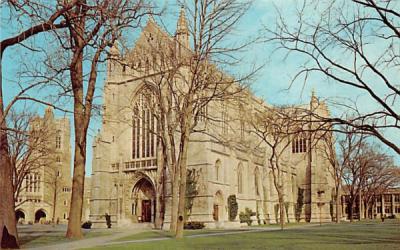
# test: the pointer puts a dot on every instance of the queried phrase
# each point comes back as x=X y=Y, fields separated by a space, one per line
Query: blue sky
x=271 y=84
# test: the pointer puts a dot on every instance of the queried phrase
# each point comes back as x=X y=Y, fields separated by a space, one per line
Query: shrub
x=246 y=216
x=87 y=225
x=194 y=225
x=393 y=216
x=232 y=207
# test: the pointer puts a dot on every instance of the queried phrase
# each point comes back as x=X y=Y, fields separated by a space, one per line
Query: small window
x=58 y=139
x=217 y=170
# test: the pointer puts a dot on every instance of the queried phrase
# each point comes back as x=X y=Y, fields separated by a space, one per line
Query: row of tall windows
x=32 y=182
x=58 y=139
x=219 y=172
x=144 y=127
x=299 y=144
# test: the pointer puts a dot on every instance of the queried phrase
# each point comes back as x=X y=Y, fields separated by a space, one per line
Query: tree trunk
x=174 y=199
x=78 y=181
x=54 y=200
x=8 y=225
x=281 y=210
x=182 y=185
x=338 y=207
x=80 y=127
x=350 y=205
x=160 y=194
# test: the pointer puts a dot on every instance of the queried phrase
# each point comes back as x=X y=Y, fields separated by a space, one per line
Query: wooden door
x=146 y=211
x=216 y=213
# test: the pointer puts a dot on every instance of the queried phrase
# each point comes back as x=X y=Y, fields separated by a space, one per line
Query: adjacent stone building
x=46 y=190
x=385 y=204
x=126 y=153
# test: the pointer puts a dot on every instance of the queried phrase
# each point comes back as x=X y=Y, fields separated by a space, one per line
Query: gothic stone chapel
x=126 y=153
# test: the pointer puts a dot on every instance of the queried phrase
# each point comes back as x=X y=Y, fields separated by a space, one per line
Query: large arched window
x=144 y=129
x=218 y=170
x=240 y=178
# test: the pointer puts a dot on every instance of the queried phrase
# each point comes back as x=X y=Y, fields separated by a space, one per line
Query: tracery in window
x=144 y=128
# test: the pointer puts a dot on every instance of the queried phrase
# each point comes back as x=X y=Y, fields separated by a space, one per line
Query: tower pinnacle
x=182 y=30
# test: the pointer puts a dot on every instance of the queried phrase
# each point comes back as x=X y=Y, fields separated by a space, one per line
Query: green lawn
x=54 y=238
x=359 y=235
x=157 y=234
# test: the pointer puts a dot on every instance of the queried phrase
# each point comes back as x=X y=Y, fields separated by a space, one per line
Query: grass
x=51 y=238
x=157 y=234
x=359 y=235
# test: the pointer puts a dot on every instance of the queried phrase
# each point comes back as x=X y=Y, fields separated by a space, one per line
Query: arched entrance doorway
x=218 y=206
x=143 y=201
x=19 y=215
x=40 y=215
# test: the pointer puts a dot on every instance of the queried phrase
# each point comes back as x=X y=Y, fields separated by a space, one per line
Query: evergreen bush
x=246 y=216
x=232 y=207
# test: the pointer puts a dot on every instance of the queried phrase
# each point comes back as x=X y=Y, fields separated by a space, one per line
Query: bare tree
x=43 y=18
x=28 y=149
x=355 y=157
x=335 y=169
x=353 y=44
x=276 y=127
x=92 y=27
x=380 y=176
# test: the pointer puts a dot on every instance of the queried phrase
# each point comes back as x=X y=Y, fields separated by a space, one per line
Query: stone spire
x=182 y=30
x=314 y=102
x=48 y=113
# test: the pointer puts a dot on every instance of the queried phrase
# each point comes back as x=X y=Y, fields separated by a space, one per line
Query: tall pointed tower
x=182 y=30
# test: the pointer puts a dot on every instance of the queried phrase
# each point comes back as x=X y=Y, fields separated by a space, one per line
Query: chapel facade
x=126 y=153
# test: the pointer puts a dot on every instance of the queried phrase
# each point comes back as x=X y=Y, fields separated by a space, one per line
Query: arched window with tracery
x=240 y=178
x=144 y=130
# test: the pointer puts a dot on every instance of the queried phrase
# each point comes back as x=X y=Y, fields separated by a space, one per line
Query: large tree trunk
x=80 y=127
x=182 y=163
x=78 y=182
x=160 y=194
x=338 y=206
x=8 y=224
x=174 y=199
